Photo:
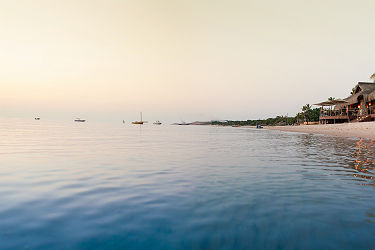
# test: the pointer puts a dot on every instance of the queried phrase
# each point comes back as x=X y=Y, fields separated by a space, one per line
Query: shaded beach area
x=364 y=130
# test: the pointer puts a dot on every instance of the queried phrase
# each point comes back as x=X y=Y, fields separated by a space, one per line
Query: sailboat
x=157 y=123
x=139 y=122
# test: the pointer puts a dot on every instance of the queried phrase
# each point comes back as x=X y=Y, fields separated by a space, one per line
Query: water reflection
x=364 y=160
x=340 y=156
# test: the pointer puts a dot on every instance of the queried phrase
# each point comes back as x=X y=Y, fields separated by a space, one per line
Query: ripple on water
x=103 y=186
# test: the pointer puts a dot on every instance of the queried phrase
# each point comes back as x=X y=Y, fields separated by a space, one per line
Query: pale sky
x=180 y=60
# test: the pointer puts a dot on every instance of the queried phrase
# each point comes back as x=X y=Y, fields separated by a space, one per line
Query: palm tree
x=372 y=77
x=331 y=98
x=353 y=91
x=306 y=109
x=299 y=117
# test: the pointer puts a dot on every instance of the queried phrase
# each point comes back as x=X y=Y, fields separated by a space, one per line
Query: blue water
x=66 y=185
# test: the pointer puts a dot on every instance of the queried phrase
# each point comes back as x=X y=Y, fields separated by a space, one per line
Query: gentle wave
x=67 y=185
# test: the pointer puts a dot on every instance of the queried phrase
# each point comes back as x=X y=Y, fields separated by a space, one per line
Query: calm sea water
x=66 y=185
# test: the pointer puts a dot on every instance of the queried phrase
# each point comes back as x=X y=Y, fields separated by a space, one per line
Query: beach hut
x=362 y=101
x=330 y=114
x=357 y=107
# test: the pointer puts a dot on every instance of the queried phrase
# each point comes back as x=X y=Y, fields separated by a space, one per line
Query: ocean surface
x=66 y=185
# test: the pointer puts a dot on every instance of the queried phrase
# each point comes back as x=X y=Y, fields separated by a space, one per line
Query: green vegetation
x=312 y=115
x=307 y=115
x=278 y=120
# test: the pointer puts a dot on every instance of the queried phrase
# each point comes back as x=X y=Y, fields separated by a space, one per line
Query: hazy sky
x=180 y=60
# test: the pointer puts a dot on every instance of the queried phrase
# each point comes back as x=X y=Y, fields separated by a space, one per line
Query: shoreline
x=365 y=130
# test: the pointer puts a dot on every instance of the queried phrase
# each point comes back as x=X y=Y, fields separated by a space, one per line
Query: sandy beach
x=361 y=130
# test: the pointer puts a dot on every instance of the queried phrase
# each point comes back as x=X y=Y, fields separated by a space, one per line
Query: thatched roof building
x=362 y=91
x=359 y=106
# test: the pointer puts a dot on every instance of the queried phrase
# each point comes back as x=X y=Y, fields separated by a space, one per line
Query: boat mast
x=141 y=116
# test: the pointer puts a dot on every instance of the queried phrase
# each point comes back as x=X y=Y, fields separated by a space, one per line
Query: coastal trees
x=278 y=120
x=305 y=109
x=309 y=114
x=314 y=114
x=299 y=117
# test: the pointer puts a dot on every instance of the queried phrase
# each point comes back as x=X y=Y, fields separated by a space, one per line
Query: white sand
x=360 y=129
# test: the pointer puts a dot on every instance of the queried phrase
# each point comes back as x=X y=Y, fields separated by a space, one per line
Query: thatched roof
x=332 y=103
x=363 y=90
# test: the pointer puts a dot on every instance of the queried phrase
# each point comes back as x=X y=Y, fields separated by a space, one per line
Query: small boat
x=37 y=118
x=235 y=126
x=79 y=120
x=183 y=123
x=259 y=126
x=139 y=122
x=157 y=123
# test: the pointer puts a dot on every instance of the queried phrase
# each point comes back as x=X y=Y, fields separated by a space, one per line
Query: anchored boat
x=139 y=122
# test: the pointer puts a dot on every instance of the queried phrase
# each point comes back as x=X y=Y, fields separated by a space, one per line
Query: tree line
x=307 y=114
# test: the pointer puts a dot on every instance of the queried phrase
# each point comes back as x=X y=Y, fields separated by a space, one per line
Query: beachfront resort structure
x=358 y=107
